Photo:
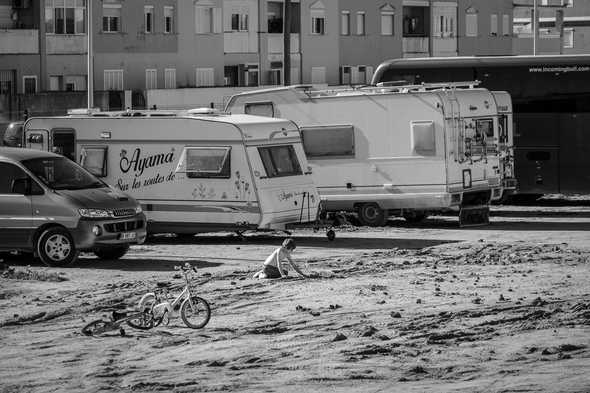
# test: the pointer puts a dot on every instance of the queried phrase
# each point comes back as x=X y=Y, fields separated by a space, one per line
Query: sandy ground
x=405 y=308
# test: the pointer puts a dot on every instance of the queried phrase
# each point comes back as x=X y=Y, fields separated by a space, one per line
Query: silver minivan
x=51 y=206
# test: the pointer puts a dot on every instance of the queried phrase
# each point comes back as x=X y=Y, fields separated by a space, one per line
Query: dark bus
x=551 y=98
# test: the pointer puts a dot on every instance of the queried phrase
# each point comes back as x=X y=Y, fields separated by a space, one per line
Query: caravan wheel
x=372 y=215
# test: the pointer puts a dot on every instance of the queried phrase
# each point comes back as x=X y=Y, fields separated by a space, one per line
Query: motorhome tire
x=414 y=216
x=56 y=247
x=371 y=214
x=331 y=235
x=114 y=252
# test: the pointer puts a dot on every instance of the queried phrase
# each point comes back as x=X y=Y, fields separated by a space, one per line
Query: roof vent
x=204 y=112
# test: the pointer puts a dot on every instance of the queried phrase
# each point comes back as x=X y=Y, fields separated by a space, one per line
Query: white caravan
x=192 y=171
x=407 y=150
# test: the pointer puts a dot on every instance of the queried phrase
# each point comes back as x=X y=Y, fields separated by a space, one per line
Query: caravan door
x=285 y=187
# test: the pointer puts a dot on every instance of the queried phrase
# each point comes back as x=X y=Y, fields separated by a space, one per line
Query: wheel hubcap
x=58 y=247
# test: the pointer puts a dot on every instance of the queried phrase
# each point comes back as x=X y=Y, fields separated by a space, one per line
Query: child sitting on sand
x=275 y=267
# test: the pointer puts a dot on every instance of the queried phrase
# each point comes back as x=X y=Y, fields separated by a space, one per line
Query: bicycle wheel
x=195 y=312
x=141 y=321
x=97 y=327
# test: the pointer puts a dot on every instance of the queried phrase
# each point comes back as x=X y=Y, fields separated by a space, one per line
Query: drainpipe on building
x=42 y=49
x=287 y=44
x=535 y=27
x=559 y=27
x=90 y=72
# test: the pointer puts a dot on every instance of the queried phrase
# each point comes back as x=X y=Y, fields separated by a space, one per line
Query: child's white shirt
x=282 y=253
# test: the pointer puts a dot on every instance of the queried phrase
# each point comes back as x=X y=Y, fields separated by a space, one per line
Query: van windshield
x=60 y=173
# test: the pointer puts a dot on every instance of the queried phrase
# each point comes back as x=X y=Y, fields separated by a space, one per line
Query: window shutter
x=217 y=23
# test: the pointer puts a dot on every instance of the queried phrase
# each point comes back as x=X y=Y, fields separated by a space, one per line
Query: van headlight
x=94 y=213
x=138 y=209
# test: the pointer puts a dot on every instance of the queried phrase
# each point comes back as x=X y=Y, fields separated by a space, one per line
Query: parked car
x=51 y=206
x=13 y=135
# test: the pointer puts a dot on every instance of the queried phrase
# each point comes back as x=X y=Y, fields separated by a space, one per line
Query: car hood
x=99 y=198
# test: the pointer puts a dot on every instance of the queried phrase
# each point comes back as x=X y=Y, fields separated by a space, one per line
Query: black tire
x=145 y=321
x=114 y=252
x=96 y=327
x=331 y=235
x=203 y=312
x=56 y=247
x=414 y=216
x=372 y=215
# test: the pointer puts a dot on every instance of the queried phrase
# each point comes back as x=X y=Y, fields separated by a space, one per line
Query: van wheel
x=372 y=215
x=414 y=216
x=56 y=247
x=114 y=252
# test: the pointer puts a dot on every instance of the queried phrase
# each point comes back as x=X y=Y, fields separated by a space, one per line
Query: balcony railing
x=415 y=45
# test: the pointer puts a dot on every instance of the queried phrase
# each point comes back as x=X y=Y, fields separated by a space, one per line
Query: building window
x=70 y=86
x=360 y=23
x=568 y=38
x=494 y=24
x=207 y=19
x=416 y=20
x=170 y=78
x=505 y=25
x=345 y=23
x=151 y=79
x=387 y=20
x=113 y=79
x=30 y=84
x=168 y=19
x=148 y=18
x=239 y=22
x=55 y=82
x=274 y=76
x=471 y=22
x=205 y=77
x=111 y=18
x=65 y=16
x=274 y=17
x=318 y=18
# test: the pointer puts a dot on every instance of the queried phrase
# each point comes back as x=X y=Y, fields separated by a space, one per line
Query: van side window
x=423 y=138
x=94 y=159
x=8 y=174
x=328 y=141
x=280 y=161
x=208 y=162
x=260 y=109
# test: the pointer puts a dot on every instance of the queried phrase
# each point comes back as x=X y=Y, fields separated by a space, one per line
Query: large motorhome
x=409 y=150
x=192 y=171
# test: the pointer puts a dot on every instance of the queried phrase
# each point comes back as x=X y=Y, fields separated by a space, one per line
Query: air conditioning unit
x=20 y=4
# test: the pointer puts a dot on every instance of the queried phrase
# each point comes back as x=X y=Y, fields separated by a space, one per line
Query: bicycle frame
x=166 y=306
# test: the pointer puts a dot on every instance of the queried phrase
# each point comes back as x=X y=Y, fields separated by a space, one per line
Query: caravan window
x=260 y=109
x=328 y=141
x=423 y=138
x=485 y=127
x=94 y=160
x=208 y=162
x=280 y=161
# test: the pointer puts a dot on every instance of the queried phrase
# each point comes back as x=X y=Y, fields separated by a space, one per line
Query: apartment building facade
x=563 y=27
x=149 y=44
